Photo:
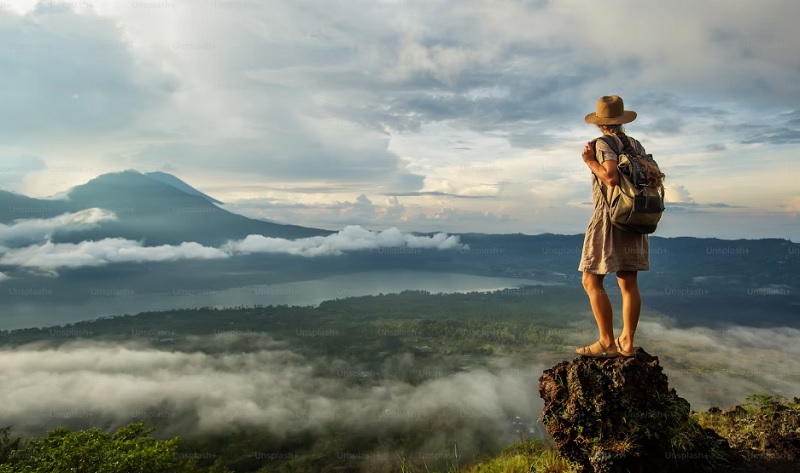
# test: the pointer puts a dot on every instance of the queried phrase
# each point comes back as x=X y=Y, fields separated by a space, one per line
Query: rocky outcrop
x=765 y=432
x=620 y=415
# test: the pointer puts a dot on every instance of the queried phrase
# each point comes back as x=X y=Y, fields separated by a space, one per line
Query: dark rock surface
x=620 y=415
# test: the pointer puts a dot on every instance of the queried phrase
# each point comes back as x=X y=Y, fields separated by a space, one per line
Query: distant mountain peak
x=134 y=178
x=177 y=183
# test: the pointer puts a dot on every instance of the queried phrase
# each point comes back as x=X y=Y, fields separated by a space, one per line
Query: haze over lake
x=35 y=311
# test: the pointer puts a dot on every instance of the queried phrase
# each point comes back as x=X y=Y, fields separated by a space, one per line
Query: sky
x=431 y=116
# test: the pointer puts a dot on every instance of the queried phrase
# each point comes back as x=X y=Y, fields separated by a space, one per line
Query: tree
x=219 y=467
x=129 y=450
x=7 y=444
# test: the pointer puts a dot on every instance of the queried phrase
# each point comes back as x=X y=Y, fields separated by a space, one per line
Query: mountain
x=180 y=185
x=15 y=206
x=699 y=281
x=158 y=210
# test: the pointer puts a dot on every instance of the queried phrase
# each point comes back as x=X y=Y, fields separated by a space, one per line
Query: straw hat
x=610 y=111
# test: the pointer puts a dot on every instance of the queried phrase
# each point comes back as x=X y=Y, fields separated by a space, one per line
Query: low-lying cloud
x=272 y=388
x=35 y=229
x=51 y=256
x=351 y=238
x=48 y=256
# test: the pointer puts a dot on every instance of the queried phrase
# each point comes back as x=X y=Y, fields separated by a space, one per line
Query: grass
x=525 y=457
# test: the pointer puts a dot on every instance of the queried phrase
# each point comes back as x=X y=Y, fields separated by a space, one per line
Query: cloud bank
x=49 y=256
x=351 y=238
x=272 y=388
x=43 y=228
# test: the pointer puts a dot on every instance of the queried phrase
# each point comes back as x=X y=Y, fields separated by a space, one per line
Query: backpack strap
x=611 y=142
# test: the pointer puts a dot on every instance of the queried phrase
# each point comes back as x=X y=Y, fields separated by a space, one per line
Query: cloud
x=351 y=238
x=715 y=147
x=49 y=256
x=97 y=72
x=443 y=194
x=736 y=361
x=322 y=100
x=677 y=193
x=270 y=387
x=792 y=205
x=15 y=168
x=784 y=129
x=38 y=229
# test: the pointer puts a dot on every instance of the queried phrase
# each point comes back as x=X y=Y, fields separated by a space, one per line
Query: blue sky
x=436 y=115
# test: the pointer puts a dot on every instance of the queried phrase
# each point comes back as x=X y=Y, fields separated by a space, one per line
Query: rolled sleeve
x=604 y=152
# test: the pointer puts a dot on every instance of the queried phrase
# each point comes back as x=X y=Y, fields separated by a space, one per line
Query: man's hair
x=655 y=178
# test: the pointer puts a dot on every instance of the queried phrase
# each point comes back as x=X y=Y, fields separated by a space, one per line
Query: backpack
x=635 y=206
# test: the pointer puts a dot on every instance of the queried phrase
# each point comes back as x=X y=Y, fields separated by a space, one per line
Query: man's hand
x=588 y=153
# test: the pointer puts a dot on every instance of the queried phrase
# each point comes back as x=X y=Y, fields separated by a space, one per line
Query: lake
x=40 y=312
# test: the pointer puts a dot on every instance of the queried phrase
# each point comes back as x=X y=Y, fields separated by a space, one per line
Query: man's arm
x=607 y=172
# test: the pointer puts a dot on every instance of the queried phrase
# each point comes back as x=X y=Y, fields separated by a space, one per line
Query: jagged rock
x=620 y=415
x=765 y=432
